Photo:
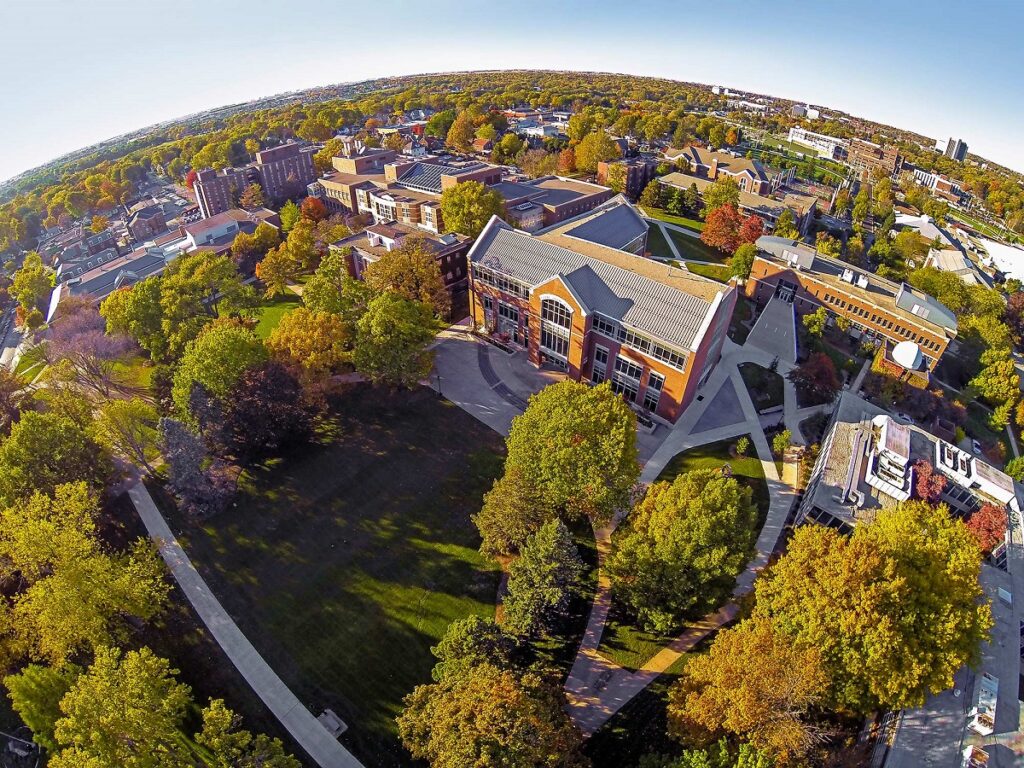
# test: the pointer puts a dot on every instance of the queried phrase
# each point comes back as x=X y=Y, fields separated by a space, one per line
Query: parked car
x=976 y=447
x=903 y=418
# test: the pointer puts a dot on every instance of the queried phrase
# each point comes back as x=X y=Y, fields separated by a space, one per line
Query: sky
x=80 y=72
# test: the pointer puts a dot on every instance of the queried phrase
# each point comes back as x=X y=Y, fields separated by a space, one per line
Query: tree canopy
x=467 y=207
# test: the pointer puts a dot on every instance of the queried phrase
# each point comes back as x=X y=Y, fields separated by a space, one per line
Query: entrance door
x=785 y=291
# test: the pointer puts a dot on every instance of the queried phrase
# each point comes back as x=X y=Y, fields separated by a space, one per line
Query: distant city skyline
x=95 y=71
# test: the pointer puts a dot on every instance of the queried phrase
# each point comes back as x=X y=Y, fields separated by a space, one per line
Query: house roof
x=759 y=204
x=661 y=308
x=726 y=162
x=105 y=279
x=613 y=224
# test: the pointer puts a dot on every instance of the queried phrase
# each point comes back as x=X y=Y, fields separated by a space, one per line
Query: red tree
x=313 y=209
x=930 y=484
x=752 y=229
x=988 y=526
x=722 y=228
x=566 y=161
x=816 y=380
x=190 y=178
x=1015 y=315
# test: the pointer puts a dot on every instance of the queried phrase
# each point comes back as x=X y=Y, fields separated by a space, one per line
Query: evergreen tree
x=541 y=582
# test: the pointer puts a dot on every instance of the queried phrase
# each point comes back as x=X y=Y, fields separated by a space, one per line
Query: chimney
x=713 y=170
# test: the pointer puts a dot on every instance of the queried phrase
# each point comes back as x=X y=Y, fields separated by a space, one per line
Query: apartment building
x=828 y=147
x=768 y=209
x=283 y=172
x=956 y=149
x=878 y=309
x=866 y=156
x=630 y=175
x=578 y=299
x=751 y=176
x=941 y=186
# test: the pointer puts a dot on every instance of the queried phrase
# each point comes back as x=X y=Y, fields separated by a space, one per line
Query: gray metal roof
x=427 y=176
x=616 y=226
x=660 y=311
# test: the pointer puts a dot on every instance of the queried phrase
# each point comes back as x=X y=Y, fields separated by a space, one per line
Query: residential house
x=750 y=175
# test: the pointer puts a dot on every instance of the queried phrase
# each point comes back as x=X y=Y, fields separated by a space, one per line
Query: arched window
x=557 y=312
x=555 y=324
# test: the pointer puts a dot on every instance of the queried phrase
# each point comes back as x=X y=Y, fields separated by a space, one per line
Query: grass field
x=30 y=364
x=272 y=310
x=660 y=213
x=346 y=561
x=738 y=332
x=630 y=646
x=694 y=248
x=766 y=387
x=717 y=272
x=657 y=244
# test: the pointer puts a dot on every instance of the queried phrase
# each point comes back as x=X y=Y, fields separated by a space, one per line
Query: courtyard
x=346 y=560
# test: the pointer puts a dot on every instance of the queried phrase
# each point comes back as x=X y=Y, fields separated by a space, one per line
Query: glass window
x=508 y=312
x=625 y=387
x=556 y=312
x=553 y=342
x=628 y=368
x=601 y=354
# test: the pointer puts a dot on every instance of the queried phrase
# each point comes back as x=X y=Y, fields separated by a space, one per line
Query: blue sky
x=77 y=72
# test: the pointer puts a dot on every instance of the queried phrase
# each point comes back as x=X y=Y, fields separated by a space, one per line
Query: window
x=554 y=343
x=625 y=387
x=488 y=304
x=628 y=368
x=508 y=312
x=605 y=327
x=653 y=394
x=601 y=354
x=556 y=312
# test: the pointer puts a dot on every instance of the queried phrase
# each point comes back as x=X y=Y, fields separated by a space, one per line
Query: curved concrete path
x=321 y=746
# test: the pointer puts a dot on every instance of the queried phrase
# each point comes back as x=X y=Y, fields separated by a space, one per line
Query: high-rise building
x=282 y=171
x=956 y=149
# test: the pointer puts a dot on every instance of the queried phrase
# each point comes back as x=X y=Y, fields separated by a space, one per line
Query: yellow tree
x=411 y=271
x=277 y=270
x=754 y=683
x=315 y=343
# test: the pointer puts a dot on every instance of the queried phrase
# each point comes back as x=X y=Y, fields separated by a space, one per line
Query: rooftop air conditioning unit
x=862 y=281
x=847 y=275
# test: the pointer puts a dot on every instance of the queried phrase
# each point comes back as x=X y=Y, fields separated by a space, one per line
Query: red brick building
x=283 y=172
x=577 y=302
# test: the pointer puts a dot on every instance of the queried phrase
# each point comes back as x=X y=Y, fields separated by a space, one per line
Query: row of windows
x=508 y=312
x=626 y=379
x=881 y=321
x=556 y=312
x=499 y=281
x=553 y=342
x=634 y=340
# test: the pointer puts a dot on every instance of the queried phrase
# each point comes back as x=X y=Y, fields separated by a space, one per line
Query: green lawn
x=738 y=332
x=272 y=310
x=766 y=387
x=136 y=371
x=682 y=221
x=657 y=244
x=346 y=561
x=694 y=248
x=625 y=643
x=717 y=272
x=30 y=364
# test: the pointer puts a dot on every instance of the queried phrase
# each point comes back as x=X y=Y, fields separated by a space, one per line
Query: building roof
x=614 y=224
x=199 y=228
x=726 y=162
x=616 y=284
x=759 y=204
x=915 y=305
x=427 y=176
x=108 y=277
x=395 y=230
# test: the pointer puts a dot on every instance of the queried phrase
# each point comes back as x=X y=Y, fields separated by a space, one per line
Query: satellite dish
x=908 y=354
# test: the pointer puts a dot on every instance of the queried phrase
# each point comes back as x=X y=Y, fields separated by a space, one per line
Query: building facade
x=956 y=149
x=628 y=175
x=865 y=156
x=283 y=172
x=600 y=313
x=828 y=147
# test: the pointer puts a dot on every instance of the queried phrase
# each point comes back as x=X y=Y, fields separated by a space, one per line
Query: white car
x=976 y=447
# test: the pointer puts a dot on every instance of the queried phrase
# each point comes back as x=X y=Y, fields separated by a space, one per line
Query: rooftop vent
x=862 y=281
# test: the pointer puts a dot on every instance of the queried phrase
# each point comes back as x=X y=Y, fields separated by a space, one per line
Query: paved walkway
x=597 y=687
x=321 y=746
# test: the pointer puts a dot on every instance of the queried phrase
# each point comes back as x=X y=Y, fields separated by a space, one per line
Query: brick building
x=576 y=301
x=865 y=156
x=629 y=175
x=544 y=202
x=147 y=222
x=750 y=175
x=878 y=309
x=283 y=172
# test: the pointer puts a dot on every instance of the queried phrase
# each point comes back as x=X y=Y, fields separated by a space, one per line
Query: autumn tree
x=313 y=209
x=751 y=229
x=682 y=548
x=566 y=161
x=815 y=379
x=277 y=270
x=127 y=428
x=724 y=191
x=816 y=322
x=290 y=216
x=785 y=226
x=594 y=148
x=75 y=593
x=895 y=608
x=32 y=283
x=312 y=343
x=513 y=510
x=391 y=342
x=411 y=271
x=460 y=135
x=81 y=353
x=470 y=642
x=827 y=245
x=542 y=581
x=467 y=207
x=722 y=228
x=251 y=197
x=755 y=684
x=202 y=487
x=487 y=714
x=988 y=526
x=577 y=445
x=322 y=159
x=928 y=484
x=331 y=289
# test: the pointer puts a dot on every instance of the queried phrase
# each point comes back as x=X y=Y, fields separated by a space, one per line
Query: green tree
x=75 y=592
x=392 y=338
x=682 y=548
x=785 y=226
x=215 y=360
x=331 y=289
x=45 y=450
x=816 y=322
x=467 y=207
x=725 y=191
x=32 y=283
x=895 y=609
x=781 y=442
x=1015 y=468
x=743 y=260
x=460 y=135
x=277 y=270
x=509 y=148
x=35 y=694
x=595 y=148
x=412 y=272
x=754 y=683
x=470 y=642
x=440 y=123
x=513 y=510
x=651 y=196
x=127 y=428
x=542 y=581
x=125 y=711
x=290 y=216
x=233 y=747
x=136 y=311
x=577 y=445
x=322 y=159
x=488 y=716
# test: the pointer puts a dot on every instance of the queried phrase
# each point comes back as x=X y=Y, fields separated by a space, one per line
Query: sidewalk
x=323 y=748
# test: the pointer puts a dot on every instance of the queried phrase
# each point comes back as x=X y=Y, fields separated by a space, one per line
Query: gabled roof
x=659 y=308
x=614 y=224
